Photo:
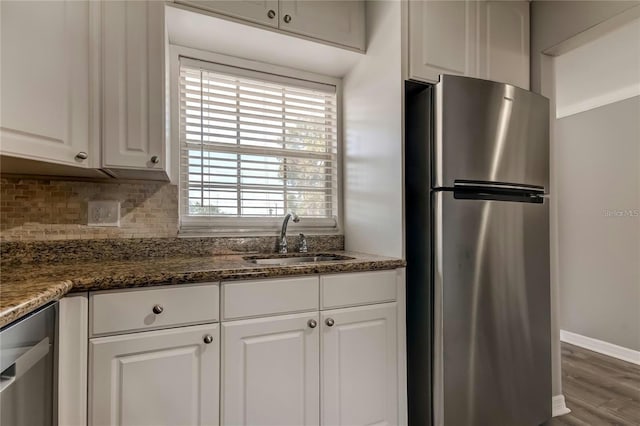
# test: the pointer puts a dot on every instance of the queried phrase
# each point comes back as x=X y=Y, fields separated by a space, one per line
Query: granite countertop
x=27 y=287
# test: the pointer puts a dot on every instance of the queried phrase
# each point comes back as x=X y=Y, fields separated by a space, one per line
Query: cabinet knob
x=157 y=309
x=155 y=159
x=207 y=339
x=287 y=18
x=271 y=14
x=330 y=322
x=312 y=323
x=82 y=155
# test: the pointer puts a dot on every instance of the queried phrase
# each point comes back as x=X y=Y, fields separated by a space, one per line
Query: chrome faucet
x=282 y=245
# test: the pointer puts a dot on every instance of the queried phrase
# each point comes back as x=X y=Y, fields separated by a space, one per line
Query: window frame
x=240 y=226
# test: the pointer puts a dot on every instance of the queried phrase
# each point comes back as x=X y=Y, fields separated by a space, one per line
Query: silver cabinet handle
x=271 y=14
x=158 y=309
x=312 y=323
x=287 y=19
x=207 y=339
x=155 y=159
x=82 y=155
x=330 y=322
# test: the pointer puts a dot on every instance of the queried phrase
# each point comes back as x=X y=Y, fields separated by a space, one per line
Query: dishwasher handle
x=24 y=363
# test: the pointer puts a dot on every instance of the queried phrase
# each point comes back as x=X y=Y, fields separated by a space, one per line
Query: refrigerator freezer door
x=491 y=132
x=492 y=362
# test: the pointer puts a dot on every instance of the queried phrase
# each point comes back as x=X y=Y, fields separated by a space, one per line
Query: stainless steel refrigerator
x=477 y=235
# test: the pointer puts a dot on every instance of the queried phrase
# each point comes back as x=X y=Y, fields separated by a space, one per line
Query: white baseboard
x=559 y=408
x=605 y=348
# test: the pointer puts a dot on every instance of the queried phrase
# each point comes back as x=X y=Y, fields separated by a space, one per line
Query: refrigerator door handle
x=438 y=314
x=506 y=196
x=497 y=186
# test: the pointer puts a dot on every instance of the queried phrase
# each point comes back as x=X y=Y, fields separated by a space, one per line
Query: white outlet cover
x=103 y=213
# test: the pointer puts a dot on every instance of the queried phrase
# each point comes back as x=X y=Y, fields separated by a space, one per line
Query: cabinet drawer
x=123 y=311
x=266 y=297
x=357 y=288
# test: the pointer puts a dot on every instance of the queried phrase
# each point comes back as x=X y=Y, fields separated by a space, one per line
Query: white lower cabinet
x=313 y=350
x=359 y=366
x=271 y=371
x=167 y=377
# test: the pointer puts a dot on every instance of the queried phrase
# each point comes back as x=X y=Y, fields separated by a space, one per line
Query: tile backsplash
x=43 y=209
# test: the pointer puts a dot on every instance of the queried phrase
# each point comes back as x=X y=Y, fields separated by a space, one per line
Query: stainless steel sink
x=296 y=259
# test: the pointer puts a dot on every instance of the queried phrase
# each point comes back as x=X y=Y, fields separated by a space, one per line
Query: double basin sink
x=295 y=259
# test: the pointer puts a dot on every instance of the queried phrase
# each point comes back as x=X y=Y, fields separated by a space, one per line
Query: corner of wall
x=372 y=138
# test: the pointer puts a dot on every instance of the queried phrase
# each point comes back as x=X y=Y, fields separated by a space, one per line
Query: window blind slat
x=219 y=107
x=266 y=123
x=279 y=153
x=284 y=99
x=244 y=137
x=328 y=120
x=290 y=173
x=212 y=79
x=325 y=122
x=253 y=148
x=209 y=129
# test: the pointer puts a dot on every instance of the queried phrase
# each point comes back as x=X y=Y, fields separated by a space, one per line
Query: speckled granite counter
x=29 y=286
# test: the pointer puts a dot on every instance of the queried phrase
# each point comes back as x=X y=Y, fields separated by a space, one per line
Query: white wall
x=600 y=72
x=597 y=146
x=552 y=23
x=599 y=222
x=373 y=192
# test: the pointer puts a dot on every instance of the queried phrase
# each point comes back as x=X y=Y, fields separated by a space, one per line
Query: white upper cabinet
x=504 y=42
x=483 y=39
x=46 y=97
x=168 y=377
x=359 y=366
x=442 y=38
x=133 y=105
x=271 y=369
x=340 y=22
x=260 y=11
x=83 y=84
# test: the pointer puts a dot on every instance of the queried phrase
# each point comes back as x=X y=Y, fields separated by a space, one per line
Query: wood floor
x=599 y=390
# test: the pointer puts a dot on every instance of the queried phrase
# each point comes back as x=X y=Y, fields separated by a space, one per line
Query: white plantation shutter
x=255 y=146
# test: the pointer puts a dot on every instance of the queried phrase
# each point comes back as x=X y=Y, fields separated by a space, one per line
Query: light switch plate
x=103 y=213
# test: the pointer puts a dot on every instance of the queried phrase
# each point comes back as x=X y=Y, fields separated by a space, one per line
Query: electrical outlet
x=103 y=213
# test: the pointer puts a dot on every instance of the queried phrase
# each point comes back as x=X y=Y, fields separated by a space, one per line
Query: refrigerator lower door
x=492 y=362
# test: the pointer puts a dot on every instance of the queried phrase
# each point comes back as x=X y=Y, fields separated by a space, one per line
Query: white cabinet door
x=168 y=377
x=133 y=135
x=260 y=11
x=341 y=22
x=270 y=371
x=45 y=107
x=504 y=42
x=442 y=38
x=359 y=366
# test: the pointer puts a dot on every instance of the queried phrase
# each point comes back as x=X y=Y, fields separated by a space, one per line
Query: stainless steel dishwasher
x=27 y=369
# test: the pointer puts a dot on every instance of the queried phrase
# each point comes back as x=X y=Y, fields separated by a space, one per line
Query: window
x=255 y=146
